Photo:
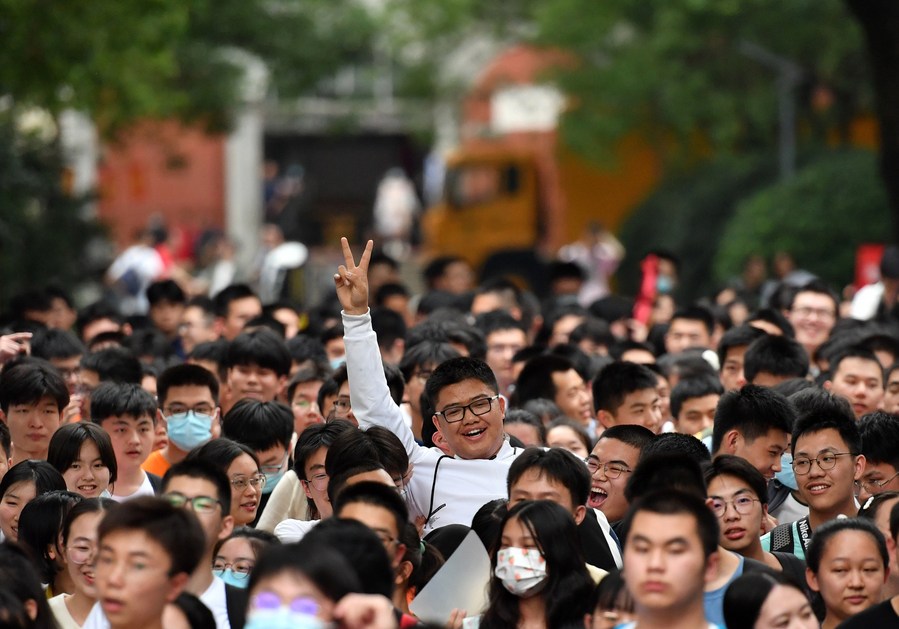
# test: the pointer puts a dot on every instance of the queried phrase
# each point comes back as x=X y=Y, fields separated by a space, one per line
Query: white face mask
x=522 y=570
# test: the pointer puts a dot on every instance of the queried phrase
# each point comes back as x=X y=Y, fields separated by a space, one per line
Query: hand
x=11 y=345
x=352 y=281
x=455 y=619
x=71 y=414
x=365 y=611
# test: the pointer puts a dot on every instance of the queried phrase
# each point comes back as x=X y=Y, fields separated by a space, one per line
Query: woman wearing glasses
x=242 y=469
x=235 y=556
x=79 y=545
x=738 y=497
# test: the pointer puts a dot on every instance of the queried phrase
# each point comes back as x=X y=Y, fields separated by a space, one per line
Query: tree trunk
x=879 y=20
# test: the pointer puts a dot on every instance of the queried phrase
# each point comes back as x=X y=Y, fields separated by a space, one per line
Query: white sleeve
x=369 y=393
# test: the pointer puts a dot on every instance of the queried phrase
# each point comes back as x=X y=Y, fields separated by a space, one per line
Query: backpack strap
x=782 y=538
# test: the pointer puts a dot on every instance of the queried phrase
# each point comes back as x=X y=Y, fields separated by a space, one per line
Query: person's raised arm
x=369 y=393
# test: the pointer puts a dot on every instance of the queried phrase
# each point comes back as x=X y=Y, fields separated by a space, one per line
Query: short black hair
x=376 y=444
x=737 y=336
x=304 y=347
x=65 y=447
x=753 y=411
x=259 y=425
x=775 y=318
x=183 y=376
x=338 y=482
x=222 y=452
x=114 y=364
x=212 y=351
x=828 y=412
x=21 y=583
x=313 y=373
x=5 y=440
x=165 y=290
x=176 y=530
x=314 y=437
x=121 y=398
x=261 y=347
x=205 y=470
x=456 y=370
x=695 y=313
x=859 y=352
x=633 y=435
x=222 y=300
x=875 y=503
x=689 y=388
x=674 y=443
x=437 y=267
x=665 y=471
x=821 y=288
x=44 y=476
x=377 y=495
x=678 y=503
x=777 y=355
x=619 y=380
x=828 y=530
x=53 y=343
x=527 y=418
x=879 y=432
x=29 y=381
x=738 y=467
x=388 y=290
x=97 y=311
x=426 y=353
x=496 y=320
x=536 y=381
x=389 y=326
x=554 y=464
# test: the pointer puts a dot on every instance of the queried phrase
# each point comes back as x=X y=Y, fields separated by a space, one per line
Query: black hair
x=222 y=300
x=578 y=429
x=261 y=347
x=738 y=467
x=53 y=343
x=376 y=444
x=497 y=320
x=39 y=525
x=42 y=474
x=487 y=523
x=21 y=581
x=875 y=503
x=556 y=465
x=149 y=342
x=619 y=380
x=527 y=418
x=821 y=288
x=313 y=373
x=775 y=318
x=794 y=385
x=97 y=311
x=185 y=375
x=879 y=432
x=689 y=388
x=675 y=502
x=377 y=495
x=212 y=351
x=165 y=290
x=111 y=399
x=195 y=611
x=114 y=364
x=856 y=352
x=176 y=530
x=568 y=584
x=456 y=370
x=664 y=471
x=358 y=546
x=546 y=410
x=314 y=437
x=753 y=411
x=29 y=382
x=205 y=304
x=259 y=425
x=267 y=322
x=686 y=364
x=389 y=326
x=610 y=594
x=746 y=595
x=5 y=440
x=828 y=530
x=695 y=313
x=67 y=441
x=737 y=336
x=80 y=508
x=29 y=301
x=338 y=481
x=675 y=442
x=437 y=267
x=535 y=379
x=258 y=539
x=204 y=469
x=776 y=355
x=830 y=412
x=448 y=331
x=592 y=329
x=110 y=338
x=388 y=290
x=221 y=452
x=425 y=353
x=633 y=435
x=305 y=347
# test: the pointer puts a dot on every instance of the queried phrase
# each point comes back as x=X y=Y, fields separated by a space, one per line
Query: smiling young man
x=857 y=376
x=468 y=411
x=627 y=393
x=827 y=463
x=555 y=378
x=610 y=464
x=258 y=365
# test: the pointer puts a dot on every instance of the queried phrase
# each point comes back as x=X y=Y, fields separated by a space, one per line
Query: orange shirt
x=156 y=464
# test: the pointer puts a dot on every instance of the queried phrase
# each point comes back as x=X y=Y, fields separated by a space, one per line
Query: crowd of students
x=223 y=463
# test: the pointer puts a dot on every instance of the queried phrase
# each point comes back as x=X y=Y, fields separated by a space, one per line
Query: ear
x=216 y=423
x=579 y=514
x=860 y=463
x=502 y=405
x=588 y=621
x=605 y=418
x=812 y=580
x=282 y=388
x=31 y=608
x=731 y=441
x=52 y=551
x=403 y=572
x=397 y=559
x=160 y=418
x=227 y=527
x=711 y=568
x=828 y=385
x=218 y=326
x=177 y=584
x=2 y=416
x=305 y=484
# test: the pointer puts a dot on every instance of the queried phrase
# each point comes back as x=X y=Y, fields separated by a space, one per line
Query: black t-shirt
x=594 y=543
x=881 y=616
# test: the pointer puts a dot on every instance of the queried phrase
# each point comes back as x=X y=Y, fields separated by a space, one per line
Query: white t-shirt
x=213 y=598
x=61 y=612
x=290 y=530
x=145 y=489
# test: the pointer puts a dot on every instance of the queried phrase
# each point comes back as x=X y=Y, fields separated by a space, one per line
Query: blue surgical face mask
x=271 y=480
x=237 y=579
x=268 y=613
x=786 y=476
x=189 y=430
x=336 y=363
x=664 y=284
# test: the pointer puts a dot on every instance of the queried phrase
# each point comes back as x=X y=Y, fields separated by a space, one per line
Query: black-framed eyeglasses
x=872 y=485
x=741 y=504
x=241 y=568
x=200 y=504
x=199 y=409
x=241 y=483
x=610 y=470
x=453 y=414
x=826 y=462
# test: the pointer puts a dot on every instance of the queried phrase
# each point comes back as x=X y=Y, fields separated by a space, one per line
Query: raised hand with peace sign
x=351 y=280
